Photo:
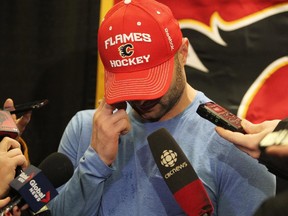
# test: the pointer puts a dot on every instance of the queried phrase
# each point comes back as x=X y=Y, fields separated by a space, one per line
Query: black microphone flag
x=179 y=175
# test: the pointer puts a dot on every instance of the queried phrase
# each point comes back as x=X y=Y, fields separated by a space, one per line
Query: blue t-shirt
x=133 y=186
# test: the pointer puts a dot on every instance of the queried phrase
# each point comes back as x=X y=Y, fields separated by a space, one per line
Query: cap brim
x=139 y=85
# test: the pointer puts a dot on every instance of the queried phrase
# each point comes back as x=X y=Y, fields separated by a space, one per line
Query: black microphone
x=37 y=187
x=179 y=175
x=49 y=167
x=58 y=168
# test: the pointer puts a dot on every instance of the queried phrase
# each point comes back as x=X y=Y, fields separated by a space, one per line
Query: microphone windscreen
x=179 y=175
x=36 y=187
x=58 y=168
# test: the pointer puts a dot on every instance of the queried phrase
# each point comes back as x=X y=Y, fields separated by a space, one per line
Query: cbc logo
x=168 y=158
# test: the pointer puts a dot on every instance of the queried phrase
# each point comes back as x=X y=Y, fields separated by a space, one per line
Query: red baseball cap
x=137 y=41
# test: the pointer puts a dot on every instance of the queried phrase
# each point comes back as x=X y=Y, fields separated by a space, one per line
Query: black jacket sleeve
x=276 y=165
x=274 y=206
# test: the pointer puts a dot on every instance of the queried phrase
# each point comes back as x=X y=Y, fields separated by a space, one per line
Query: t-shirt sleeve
x=85 y=187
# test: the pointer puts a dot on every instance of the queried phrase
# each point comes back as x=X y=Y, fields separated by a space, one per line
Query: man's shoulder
x=88 y=113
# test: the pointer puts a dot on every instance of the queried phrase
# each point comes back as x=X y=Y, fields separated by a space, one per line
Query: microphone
x=179 y=175
x=28 y=186
x=37 y=187
x=49 y=167
x=7 y=125
x=58 y=168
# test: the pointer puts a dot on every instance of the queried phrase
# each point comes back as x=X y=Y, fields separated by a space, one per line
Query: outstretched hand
x=249 y=142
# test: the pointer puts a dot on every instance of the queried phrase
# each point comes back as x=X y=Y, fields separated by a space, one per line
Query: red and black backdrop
x=238 y=57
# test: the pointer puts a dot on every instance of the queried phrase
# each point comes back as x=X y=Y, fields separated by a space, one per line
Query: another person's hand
x=4 y=202
x=23 y=121
x=108 y=125
x=279 y=151
x=15 y=212
x=10 y=157
x=249 y=142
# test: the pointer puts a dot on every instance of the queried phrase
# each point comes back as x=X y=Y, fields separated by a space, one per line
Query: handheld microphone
x=36 y=187
x=7 y=125
x=58 y=168
x=179 y=175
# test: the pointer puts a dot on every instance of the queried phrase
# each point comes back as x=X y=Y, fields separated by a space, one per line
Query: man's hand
x=107 y=128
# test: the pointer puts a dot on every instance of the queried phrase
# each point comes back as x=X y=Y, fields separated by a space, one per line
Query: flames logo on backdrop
x=247 y=57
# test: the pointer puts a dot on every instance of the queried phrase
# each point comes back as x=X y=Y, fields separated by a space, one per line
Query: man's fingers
x=120 y=105
x=121 y=121
x=101 y=103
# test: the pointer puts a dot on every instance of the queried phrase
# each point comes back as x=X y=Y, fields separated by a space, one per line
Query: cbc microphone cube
x=34 y=188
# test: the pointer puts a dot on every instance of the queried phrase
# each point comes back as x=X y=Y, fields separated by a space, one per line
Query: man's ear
x=183 y=51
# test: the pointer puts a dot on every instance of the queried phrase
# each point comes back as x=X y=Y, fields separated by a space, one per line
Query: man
x=143 y=52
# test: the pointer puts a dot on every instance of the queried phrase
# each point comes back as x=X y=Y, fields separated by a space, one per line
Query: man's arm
x=81 y=195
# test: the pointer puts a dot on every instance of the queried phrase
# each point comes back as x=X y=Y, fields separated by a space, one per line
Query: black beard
x=169 y=100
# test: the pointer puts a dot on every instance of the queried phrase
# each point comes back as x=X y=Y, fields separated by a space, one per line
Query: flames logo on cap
x=126 y=50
